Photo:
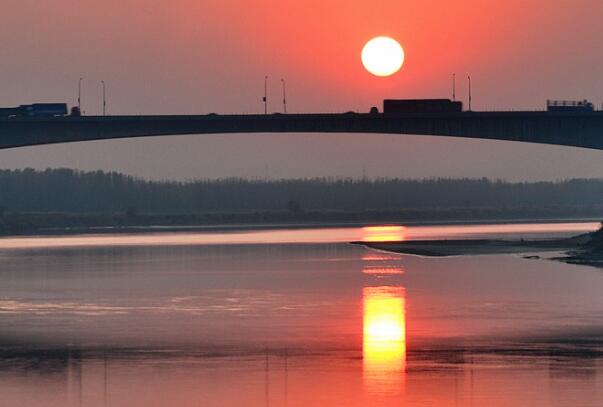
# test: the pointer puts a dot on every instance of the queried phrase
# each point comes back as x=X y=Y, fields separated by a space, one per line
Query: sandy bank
x=585 y=249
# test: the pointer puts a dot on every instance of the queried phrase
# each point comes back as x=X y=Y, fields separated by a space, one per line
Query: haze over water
x=295 y=317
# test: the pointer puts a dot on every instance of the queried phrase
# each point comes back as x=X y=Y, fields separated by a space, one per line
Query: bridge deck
x=560 y=128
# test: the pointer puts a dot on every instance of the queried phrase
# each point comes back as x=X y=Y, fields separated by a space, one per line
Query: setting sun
x=382 y=56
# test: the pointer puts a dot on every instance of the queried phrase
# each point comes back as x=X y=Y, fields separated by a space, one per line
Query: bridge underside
x=566 y=129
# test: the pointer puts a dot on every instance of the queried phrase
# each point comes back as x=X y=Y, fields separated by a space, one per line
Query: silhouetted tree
x=294 y=207
x=70 y=191
x=132 y=212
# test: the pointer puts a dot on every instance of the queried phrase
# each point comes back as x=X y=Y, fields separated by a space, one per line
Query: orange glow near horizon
x=383 y=233
x=384 y=339
x=323 y=41
x=227 y=47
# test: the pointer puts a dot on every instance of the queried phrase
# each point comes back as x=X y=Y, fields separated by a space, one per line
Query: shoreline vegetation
x=19 y=224
x=584 y=249
x=70 y=201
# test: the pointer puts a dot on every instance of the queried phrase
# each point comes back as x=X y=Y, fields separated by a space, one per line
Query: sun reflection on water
x=384 y=339
x=383 y=233
x=381 y=264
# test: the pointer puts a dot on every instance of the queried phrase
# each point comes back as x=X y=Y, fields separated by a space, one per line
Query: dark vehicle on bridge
x=569 y=106
x=35 y=110
x=411 y=106
x=9 y=112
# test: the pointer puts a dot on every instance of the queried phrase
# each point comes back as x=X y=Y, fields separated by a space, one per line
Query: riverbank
x=28 y=223
x=584 y=249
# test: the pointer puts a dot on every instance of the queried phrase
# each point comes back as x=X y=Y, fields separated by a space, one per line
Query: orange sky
x=167 y=53
x=192 y=56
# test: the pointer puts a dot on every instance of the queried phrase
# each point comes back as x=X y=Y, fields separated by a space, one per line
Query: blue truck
x=35 y=110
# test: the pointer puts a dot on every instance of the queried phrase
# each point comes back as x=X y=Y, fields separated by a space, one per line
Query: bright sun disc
x=382 y=56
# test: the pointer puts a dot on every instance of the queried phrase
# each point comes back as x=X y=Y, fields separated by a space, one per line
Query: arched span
x=565 y=129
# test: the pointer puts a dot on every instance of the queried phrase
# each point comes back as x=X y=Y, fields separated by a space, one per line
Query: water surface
x=295 y=318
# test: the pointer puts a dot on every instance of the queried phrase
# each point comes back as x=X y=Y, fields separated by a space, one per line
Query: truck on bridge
x=569 y=106
x=35 y=110
x=413 y=106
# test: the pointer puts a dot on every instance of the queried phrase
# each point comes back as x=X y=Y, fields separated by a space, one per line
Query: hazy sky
x=201 y=56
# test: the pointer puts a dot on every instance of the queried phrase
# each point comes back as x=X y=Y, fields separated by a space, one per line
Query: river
x=295 y=317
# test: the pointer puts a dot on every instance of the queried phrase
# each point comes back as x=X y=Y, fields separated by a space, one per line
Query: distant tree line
x=71 y=191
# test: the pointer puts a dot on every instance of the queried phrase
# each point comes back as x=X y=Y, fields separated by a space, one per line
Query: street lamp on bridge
x=79 y=94
x=104 y=98
x=284 y=96
x=469 y=78
x=453 y=87
x=265 y=98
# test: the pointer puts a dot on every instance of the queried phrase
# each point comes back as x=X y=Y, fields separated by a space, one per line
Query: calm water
x=295 y=318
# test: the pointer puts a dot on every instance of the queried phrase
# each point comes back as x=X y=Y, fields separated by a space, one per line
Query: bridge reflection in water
x=384 y=340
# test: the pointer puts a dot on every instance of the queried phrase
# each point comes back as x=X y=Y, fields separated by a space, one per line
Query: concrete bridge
x=577 y=129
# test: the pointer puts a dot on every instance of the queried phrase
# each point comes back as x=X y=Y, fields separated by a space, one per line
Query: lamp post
x=104 y=98
x=284 y=96
x=79 y=94
x=265 y=98
x=453 y=87
x=469 y=78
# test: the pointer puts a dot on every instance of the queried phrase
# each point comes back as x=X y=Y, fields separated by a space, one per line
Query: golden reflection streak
x=380 y=264
x=383 y=233
x=384 y=339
